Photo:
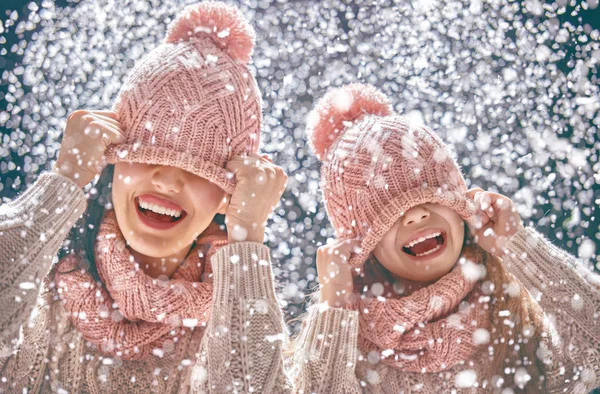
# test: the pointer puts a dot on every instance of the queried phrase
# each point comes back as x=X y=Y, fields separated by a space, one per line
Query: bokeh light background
x=512 y=86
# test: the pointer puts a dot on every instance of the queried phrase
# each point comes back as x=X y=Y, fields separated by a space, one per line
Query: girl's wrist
x=335 y=298
x=240 y=231
x=57 y=169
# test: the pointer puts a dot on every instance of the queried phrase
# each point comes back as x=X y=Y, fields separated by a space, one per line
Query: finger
x=471 y=192
x=248 y=160
x=248 y=172
x=270 y=171
x=108 y=114
x=483 y=202
x=235 y=164
x=112 y=135
x=262 y=159
x=258 y=157
x=268 y=158
x=107 y=119
x=482 y=220
x=346 y=247
x=337 y=242
x=500 y=202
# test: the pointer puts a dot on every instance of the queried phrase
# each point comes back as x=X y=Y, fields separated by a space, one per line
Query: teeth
x=416 y=241
x=158 y=209
x=430 y=251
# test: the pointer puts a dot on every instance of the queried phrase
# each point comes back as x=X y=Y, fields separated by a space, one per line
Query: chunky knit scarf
x=430 y=330
x=129 y=314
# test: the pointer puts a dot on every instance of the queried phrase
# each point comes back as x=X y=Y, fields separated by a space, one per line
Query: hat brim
x=169 y=157
x=394 y=209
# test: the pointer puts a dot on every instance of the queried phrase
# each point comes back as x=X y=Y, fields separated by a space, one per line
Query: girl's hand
x=260 y=184
x=86 y=136
x=500 y=220
x=334 y=272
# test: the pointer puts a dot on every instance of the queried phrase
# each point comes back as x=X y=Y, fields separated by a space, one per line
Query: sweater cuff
x=243 y=270
x=331 y=331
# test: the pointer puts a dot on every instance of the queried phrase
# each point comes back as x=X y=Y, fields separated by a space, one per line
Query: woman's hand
x=260 y=184
x=500 y=220
x=335 y=274
x=86 y=136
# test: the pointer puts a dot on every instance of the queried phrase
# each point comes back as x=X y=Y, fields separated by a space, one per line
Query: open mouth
x=158 y=214
x=426 y=245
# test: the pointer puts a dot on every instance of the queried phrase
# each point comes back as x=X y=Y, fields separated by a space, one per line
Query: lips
x=158 y=213
x=425 y=244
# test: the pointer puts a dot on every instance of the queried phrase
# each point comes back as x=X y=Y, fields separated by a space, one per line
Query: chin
x=426 y=272
x=424 y=277
x=156 y=249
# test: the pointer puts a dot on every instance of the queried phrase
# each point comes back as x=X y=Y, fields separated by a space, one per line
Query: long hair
x=82 y=237
x=514 y=338
x=516 y=321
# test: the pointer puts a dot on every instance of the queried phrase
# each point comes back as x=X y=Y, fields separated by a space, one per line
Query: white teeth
x=158 y=209
x=416 y=241
x=430 y=251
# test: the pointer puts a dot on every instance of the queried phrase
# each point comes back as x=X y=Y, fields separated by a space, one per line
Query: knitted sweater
x=239 y=350
x=327 y=359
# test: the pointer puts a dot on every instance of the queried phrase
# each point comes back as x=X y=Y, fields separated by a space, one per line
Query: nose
x=415 y=215
x=167 y=179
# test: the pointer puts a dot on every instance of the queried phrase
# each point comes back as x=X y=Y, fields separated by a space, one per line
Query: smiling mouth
x=425 y=246
x=157 y=214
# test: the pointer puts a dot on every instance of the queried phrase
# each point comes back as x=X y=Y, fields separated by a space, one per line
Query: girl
x=151 y=293
x=409 y=300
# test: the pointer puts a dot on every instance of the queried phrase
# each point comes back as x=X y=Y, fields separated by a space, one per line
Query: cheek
x=127 y=174
x=206 y=196
x=126 y=178
x=385 y=251
x=458 y=236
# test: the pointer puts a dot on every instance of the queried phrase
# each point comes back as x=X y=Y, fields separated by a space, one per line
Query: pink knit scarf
x=430 y=330
x=130 y=314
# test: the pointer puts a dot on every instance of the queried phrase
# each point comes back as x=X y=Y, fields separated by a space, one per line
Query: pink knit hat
x=376 y=165
x=192 y=102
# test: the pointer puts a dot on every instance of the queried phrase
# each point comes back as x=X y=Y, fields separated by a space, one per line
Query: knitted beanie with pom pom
x=192 y=103
x=376 y=165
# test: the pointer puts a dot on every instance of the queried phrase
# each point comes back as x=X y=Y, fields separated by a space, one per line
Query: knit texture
x=378 y=166
x=425 y=331
x=129 y=314
x=192 y=102
x=46 y=353
x=328 y=358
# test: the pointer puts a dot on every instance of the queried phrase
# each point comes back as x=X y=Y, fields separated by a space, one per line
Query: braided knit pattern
x=379 y=168
x=191 y=105
x=425 y=331
x=131 y=314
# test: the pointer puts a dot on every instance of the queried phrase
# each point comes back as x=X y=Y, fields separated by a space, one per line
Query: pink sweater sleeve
x=569 y=294
x=32 y=228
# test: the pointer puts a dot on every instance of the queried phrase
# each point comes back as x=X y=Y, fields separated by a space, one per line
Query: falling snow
x=513 y=87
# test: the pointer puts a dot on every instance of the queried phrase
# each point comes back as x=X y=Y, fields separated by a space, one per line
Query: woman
x=152 y=292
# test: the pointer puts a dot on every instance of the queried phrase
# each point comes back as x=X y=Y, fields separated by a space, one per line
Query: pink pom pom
x=327 y=120
x=222 y=23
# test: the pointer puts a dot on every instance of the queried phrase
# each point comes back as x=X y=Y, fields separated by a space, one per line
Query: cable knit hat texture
x=376 y=165
x=192 y=103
